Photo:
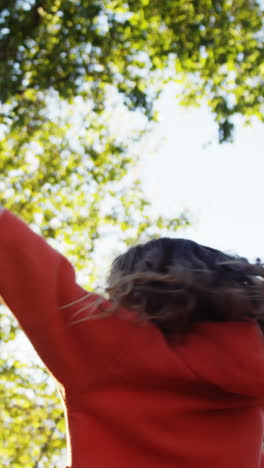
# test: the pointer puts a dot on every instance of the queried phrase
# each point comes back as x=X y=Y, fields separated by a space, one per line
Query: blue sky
x=219 y=186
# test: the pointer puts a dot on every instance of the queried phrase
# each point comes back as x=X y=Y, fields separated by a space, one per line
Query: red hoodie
x=132 y=399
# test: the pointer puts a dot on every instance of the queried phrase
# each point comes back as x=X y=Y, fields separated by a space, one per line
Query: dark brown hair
x=176 y=283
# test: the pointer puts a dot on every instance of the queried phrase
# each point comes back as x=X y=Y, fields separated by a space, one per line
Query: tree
x=80 y=47
x=32 y=422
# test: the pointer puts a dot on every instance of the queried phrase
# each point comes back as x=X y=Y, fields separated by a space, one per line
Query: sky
x=220 y=187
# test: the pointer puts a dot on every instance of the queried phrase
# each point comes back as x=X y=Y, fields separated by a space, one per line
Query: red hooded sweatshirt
x=132 y=399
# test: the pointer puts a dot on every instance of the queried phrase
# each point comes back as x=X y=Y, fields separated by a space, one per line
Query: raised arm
x=35 y=282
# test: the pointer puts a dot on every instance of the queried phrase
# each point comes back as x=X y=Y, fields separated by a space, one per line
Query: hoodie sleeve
x=229 y=355
x=35 y=282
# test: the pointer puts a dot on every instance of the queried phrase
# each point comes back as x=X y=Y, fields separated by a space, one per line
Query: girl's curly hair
x=176 y=283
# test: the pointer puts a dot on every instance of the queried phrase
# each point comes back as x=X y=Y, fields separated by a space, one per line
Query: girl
x=168 y=372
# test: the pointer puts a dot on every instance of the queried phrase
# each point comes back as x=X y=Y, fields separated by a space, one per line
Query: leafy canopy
x=215 y=47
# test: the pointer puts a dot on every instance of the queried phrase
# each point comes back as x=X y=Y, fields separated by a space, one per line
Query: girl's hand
x=2 y=302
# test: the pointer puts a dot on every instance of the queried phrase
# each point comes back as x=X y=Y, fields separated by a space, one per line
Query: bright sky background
x=219 y=186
